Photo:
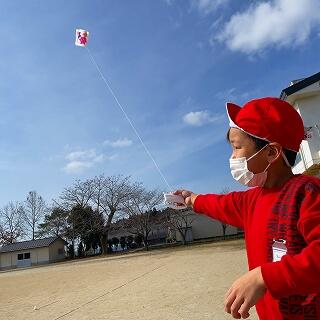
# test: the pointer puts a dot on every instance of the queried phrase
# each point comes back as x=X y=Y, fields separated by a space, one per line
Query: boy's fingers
x=227 y=294
x=188 y=201
x=235 y=308
x=184 y=193
x=229 y=301
x=244 y=310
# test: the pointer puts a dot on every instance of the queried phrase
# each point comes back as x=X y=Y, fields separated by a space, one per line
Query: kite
x=81 y=37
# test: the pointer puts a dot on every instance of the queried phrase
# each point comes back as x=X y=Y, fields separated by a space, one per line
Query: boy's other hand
x=189 y=196
x=244 y=294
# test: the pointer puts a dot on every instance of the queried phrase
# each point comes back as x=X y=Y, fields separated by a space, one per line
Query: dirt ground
x=186 y=283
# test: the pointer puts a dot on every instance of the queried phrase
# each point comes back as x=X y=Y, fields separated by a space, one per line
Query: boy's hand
x=189 y=196
x=244 y=294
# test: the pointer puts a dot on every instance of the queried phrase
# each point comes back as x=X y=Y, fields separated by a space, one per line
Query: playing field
x=173 y=283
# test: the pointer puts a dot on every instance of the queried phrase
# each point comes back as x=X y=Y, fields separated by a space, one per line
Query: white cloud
x=275 y=23
x=207 y=6
x=200 y=118
x=81 y=155
x=79 y=161
x=120 y=143
x=77 y=166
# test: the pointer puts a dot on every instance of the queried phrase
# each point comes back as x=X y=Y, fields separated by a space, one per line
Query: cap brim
x=232 y=112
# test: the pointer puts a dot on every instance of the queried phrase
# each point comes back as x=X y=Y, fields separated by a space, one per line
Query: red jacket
x=290 y=213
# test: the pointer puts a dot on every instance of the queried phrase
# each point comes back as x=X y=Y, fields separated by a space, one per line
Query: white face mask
x=241 y=173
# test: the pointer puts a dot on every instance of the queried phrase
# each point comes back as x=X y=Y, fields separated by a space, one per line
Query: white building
x=204 y=227
x=32 y=252
x=194 y=226
x=304 y=96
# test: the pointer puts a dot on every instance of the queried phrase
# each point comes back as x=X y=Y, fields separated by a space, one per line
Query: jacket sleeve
x=228 y=208
x=299 y=274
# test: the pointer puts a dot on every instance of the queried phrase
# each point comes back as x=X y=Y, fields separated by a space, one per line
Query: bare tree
x=11 y=216
x=110 y=194
x=139 y=210
x=104 y=194
x=34 y=211
x=180 y=220
x=100 y=219
x=80 y=193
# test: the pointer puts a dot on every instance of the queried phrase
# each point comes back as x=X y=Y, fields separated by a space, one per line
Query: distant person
x=280 y=215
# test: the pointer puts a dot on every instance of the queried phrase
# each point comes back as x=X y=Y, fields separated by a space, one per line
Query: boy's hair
x=260 y=143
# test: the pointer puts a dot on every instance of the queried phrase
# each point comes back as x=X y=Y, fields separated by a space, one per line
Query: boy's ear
x=274 y=151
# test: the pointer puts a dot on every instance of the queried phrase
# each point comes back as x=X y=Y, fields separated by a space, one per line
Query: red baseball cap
x=270 y=119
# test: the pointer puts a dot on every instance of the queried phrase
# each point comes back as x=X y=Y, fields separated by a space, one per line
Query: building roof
x=298 y=85
x=30 y=244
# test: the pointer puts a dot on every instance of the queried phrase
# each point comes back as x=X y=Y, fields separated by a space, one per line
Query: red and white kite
x=81 y=37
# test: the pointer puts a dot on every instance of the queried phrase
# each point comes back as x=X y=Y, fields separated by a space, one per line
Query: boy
x=280 y=216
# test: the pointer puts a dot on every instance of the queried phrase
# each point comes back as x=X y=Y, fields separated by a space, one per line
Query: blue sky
x=173 y=64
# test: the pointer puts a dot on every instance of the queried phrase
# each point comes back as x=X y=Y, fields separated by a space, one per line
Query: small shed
x=32 y=252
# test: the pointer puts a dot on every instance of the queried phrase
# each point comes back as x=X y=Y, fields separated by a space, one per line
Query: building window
x=22 y=256
x=60 y=251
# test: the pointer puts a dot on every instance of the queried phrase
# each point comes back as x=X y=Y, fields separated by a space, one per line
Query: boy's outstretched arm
x=228 y=208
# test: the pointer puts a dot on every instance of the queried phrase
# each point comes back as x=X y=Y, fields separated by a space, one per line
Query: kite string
x=128 y=119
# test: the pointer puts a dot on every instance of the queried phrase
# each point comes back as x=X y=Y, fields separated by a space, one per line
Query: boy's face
x=243 y=146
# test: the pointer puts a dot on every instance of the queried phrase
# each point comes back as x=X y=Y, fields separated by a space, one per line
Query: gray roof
x=298 y=85
x=30 y=244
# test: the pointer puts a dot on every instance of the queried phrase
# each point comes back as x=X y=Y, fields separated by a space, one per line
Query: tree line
x=88 y=210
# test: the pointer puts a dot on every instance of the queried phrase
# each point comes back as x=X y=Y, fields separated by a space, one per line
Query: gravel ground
x=186 y=283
